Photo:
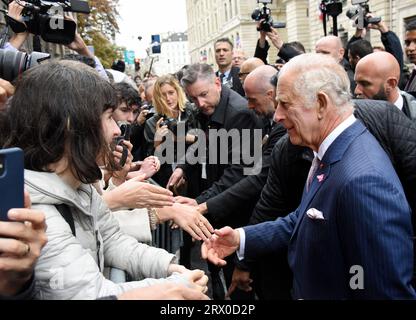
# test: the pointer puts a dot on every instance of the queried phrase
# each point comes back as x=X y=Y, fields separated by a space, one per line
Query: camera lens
x=12 y=64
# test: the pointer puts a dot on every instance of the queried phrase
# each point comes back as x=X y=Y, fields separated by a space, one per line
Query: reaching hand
x=275 y=38
x=381 y=26
x=186 y=201
x=222 y=244
x=137 y=194
x=176 y=179
x=15 y=11
x=150 y=166
x=120 y=176
x=189 y=219
x=194 y=277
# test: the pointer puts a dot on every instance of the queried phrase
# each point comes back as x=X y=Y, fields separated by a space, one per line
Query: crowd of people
x=325 y=211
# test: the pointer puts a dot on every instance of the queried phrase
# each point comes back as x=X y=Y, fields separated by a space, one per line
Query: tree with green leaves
x=99 y=29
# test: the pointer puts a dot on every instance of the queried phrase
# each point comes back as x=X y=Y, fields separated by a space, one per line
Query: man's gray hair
x=318 y=72
x=197 y=71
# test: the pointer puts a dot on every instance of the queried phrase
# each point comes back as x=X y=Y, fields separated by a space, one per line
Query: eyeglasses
x=241 y=74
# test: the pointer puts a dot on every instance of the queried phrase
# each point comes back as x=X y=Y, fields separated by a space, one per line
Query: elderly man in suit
x=351 y=236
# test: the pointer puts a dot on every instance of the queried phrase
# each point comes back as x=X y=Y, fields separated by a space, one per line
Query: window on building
x=236 y=11
x=230 y=7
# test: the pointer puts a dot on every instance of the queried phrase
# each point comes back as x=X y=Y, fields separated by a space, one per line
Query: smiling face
x=300 y=121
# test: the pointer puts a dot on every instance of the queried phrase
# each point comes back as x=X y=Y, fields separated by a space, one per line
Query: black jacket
x=231 y=113
x=286 y=53
x=244 y=195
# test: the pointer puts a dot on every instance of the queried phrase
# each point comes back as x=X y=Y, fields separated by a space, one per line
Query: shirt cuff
x=241 y=249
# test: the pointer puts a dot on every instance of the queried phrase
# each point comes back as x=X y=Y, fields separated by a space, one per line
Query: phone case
x=11 y=181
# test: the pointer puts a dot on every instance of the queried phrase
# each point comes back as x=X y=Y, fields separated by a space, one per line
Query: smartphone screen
x=11 y=181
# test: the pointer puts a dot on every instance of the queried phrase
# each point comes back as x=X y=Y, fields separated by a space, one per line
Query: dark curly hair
x=56 y=110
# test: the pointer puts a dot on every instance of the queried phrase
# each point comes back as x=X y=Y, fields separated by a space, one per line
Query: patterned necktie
x=314 y=167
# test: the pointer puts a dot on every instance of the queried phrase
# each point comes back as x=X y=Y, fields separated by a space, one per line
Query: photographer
x=46 y=114
x=284 y=52
x=17 y=40
x=389 y=39
x=171 y=108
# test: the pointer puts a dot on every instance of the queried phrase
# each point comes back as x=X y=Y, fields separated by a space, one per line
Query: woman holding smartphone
x=61 y=117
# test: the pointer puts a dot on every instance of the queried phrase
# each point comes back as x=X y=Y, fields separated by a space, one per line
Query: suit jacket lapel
x=307 y=197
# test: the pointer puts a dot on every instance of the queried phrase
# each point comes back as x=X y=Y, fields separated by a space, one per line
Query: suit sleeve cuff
x=241 y=249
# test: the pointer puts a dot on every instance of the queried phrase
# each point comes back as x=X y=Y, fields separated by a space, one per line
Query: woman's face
x=170 y=95
x=110 y=127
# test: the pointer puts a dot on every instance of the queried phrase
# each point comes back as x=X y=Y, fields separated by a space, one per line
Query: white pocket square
x=315 y=214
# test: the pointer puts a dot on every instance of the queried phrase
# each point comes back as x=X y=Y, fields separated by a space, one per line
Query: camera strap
x=17 y=26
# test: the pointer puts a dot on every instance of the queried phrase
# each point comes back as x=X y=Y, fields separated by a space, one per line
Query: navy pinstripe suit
x=366 y=223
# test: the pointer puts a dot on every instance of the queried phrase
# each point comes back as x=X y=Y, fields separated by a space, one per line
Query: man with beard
x=377 y=76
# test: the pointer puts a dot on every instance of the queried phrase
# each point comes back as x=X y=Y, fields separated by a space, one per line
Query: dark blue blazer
x=367 y=223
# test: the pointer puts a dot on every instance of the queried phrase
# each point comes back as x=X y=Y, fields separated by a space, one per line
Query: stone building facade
x=209 y=20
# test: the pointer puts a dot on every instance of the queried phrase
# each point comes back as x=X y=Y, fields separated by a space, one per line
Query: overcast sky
x=144 y=18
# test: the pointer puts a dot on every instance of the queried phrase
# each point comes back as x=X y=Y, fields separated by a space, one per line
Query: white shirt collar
x=399 y=102
x=334 y=135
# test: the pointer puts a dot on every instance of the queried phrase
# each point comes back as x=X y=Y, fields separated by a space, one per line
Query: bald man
x=239 y=57
x=248 y=66
x=332 y=45
x=377 y=76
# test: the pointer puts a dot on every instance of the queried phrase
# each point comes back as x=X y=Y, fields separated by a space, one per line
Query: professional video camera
x=331 y=8
x=359 y=12
x=14 y=63
x=265 y=14
x=45 y=18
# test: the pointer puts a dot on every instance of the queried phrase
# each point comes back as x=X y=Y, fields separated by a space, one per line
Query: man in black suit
x=226 y=72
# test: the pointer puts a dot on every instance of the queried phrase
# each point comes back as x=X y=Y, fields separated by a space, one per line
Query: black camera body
x=171 y=123
x=125 y=129
x=359 y=12
x=45 y=18
x=331 y=8
x=265 y=14
x=14 y=63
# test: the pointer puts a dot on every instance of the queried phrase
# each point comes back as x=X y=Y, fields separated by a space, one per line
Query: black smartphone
x=125 y=129
x=11 y=181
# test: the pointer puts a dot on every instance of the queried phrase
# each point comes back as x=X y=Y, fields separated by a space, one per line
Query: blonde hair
x=159 y=101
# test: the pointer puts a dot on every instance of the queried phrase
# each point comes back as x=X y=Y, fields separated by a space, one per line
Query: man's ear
x=323 y=102
x=390 y=84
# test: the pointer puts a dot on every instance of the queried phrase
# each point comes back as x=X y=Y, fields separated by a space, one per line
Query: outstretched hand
x=223 y=243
